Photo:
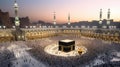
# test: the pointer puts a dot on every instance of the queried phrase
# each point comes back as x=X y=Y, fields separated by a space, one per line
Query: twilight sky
x=80 y=10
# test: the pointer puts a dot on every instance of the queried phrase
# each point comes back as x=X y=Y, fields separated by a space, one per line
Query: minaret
x=69 y=19
x=54 y=18
x=108 y=17
x=100 y=21
x=19 y=34
x=17 y=21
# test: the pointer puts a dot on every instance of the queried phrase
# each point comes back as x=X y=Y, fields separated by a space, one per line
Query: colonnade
x=113 y=36
x=6 y=36
x=32 y=34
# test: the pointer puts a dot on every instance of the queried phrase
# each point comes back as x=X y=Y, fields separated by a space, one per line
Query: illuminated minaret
x=108 y=17
x=100 y=21
x=17 y=21
x=54 y=19
x=19 y=34
x=69 y=19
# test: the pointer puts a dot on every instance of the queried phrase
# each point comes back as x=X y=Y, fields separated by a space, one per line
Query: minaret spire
x=69 y=19
x=17 y=21
x=108 y=17
x=100 y=21
x=54 y=18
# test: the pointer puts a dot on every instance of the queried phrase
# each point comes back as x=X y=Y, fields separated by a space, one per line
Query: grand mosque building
x=85 y=44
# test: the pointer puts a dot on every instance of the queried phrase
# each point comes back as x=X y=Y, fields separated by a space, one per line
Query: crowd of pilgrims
x=6 y=56
x=94 y=48
x=51 y=60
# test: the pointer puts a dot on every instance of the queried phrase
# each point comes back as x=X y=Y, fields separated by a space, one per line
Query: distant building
x=5 y=20
x=24 y=21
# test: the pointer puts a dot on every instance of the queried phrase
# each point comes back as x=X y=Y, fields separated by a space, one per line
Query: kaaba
x=66 y=45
